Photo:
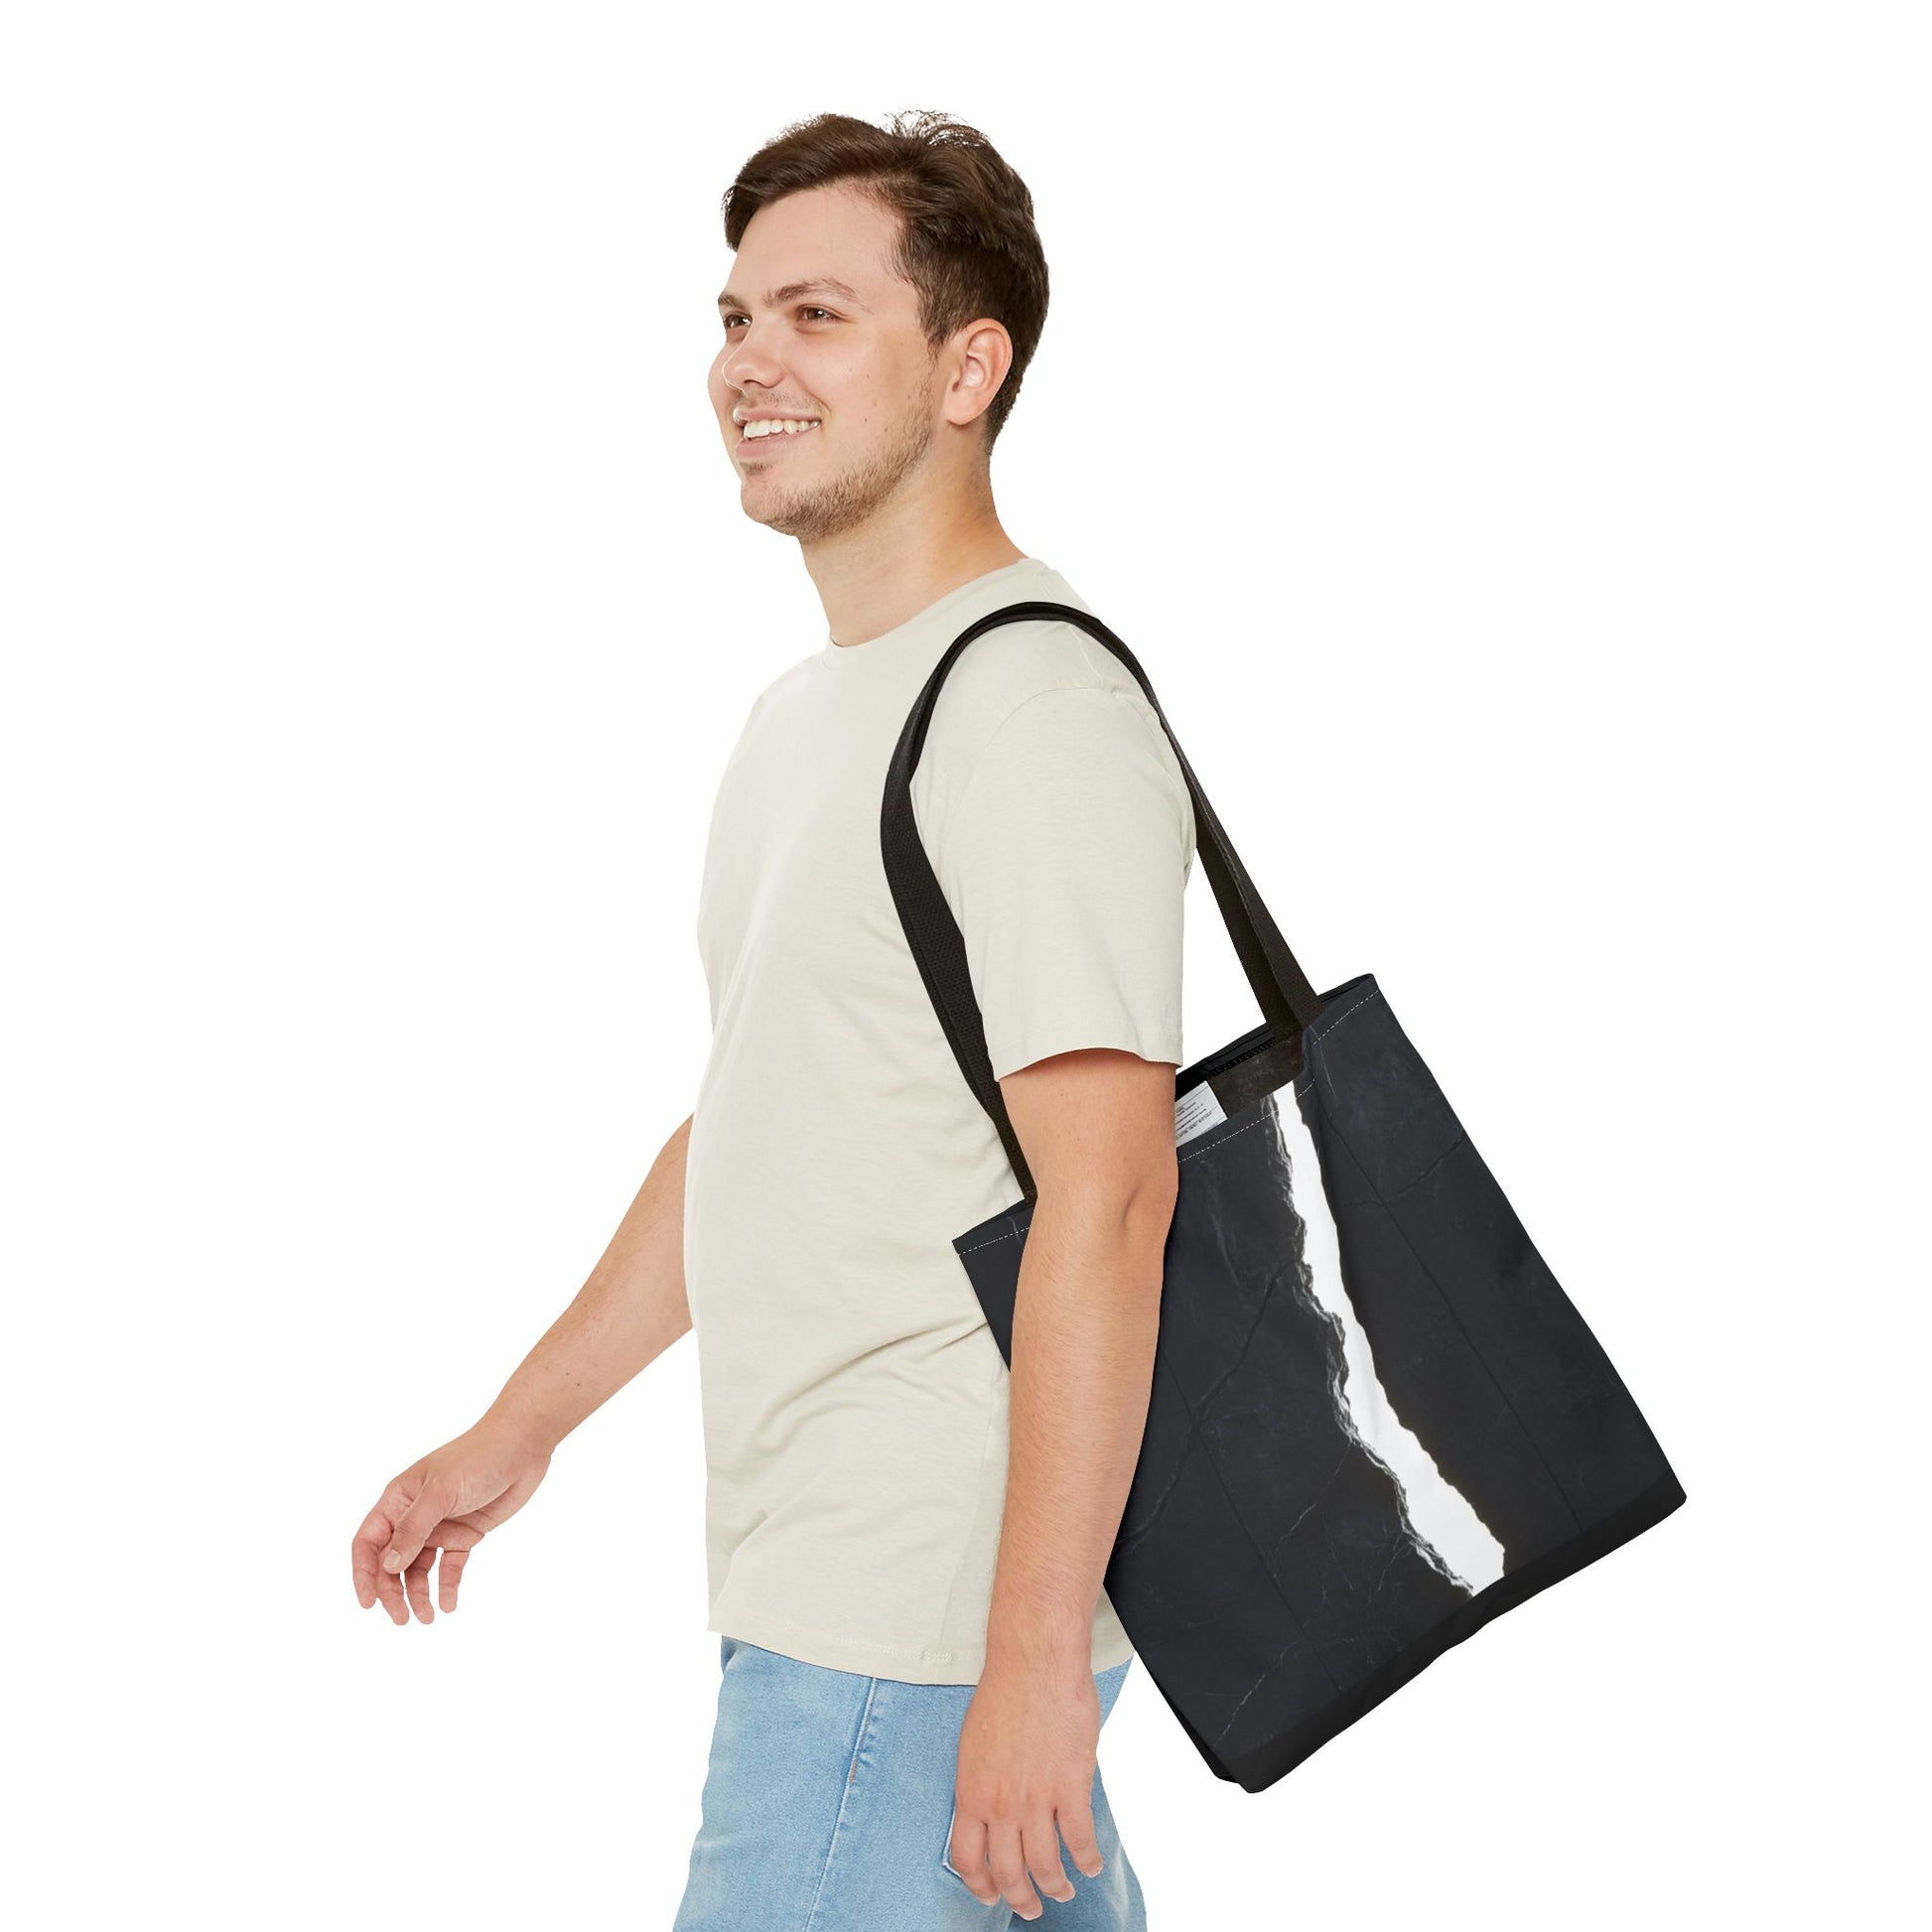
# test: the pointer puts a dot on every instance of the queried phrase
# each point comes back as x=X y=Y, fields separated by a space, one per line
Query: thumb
x=412 y=1529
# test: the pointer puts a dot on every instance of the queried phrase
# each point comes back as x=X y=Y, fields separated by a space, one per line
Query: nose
x=746 y=363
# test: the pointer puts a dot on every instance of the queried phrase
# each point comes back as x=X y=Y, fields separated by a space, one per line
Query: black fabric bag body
x=1376 y=1420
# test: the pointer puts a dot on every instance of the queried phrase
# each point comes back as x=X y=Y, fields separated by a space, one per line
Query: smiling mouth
x=770 y=441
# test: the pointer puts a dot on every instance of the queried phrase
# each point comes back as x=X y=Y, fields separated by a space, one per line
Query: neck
x=873 y=580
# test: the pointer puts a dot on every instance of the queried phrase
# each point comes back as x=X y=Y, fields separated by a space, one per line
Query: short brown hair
x=967 y=244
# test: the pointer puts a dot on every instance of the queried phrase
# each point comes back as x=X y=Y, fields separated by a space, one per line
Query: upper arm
x=1065 y=860
x=1096 y=1123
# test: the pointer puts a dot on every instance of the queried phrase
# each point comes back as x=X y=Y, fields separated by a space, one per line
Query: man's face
x=854 y=359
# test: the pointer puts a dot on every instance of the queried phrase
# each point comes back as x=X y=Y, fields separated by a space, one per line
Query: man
x=905 y=1542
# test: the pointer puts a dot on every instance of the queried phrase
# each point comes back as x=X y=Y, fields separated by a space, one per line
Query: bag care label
x=1196 y=1112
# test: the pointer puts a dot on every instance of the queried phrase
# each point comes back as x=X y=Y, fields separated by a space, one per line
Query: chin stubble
x=815 y=510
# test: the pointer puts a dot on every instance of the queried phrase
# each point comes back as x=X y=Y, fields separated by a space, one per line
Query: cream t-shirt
x=853 y=1398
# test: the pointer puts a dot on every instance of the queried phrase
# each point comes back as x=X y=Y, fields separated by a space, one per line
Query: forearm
x=629 y=1311
x=1083 y=1335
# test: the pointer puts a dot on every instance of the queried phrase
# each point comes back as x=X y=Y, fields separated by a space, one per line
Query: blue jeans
x=828 y=1806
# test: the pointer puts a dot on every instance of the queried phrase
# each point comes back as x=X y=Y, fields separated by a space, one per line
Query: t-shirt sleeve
x=1065 y=860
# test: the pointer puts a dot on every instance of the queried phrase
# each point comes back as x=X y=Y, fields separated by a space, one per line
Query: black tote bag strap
x=1288 y=1002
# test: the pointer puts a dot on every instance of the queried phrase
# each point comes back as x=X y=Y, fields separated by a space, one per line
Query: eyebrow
x=774 y=298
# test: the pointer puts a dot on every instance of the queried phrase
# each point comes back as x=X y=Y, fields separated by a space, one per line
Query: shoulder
x=1024 y=674
x=779 y=697
x=1090 y=754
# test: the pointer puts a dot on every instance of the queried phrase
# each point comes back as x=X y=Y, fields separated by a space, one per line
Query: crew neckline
x=832 y=652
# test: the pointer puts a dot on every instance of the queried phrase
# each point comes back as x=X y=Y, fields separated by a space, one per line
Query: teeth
x=779 y=426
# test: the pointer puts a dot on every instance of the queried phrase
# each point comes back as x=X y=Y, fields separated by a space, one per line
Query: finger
x=449 y=1575
x=388 y=1587
x=374 y=1584
x=365 y=1551
x=415 y=1581
x=376 y=1579
x=1077 y=1834
x=977 y=1877
x=1008 y=1859
x=415 y=1526
x=1043 y=1849
x=454 y=1541
x=967 y=1850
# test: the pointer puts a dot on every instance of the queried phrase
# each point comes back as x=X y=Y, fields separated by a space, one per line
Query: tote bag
x=1376 y=1421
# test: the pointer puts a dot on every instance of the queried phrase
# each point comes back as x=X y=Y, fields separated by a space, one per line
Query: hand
x=1028 y=1747
x=447 y=1502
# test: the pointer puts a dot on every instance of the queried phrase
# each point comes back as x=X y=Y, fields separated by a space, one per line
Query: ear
x=983 y=354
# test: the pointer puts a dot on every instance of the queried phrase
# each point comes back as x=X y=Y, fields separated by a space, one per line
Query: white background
x=1500 y=431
